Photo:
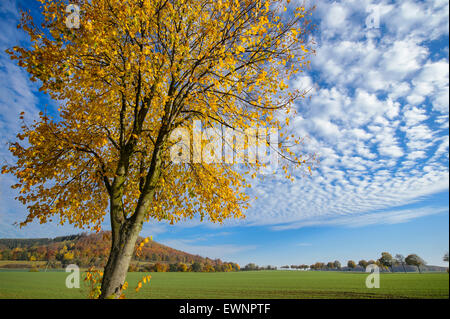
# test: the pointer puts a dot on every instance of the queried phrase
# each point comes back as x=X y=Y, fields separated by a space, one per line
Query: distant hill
x=91 y=250
x=11 y=243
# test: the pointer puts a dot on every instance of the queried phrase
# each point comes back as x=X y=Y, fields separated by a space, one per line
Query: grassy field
x=255 y=284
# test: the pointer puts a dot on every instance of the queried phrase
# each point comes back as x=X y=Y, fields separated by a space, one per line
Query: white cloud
x=403 y=58
x=359 y=220
x=418 y=19
x=432 y=82
x=370 y=119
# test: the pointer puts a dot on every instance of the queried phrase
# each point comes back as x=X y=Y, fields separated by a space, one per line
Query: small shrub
x=132 y=268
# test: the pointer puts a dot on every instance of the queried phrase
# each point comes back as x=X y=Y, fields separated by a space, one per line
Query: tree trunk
x=122 y=249
x=418 y=267
x=125 y=231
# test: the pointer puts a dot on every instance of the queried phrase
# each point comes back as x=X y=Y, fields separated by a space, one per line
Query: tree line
x=182 y=267
x=253 y=267
x=385 y=262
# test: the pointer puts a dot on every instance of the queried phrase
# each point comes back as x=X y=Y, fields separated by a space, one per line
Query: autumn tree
x=386 y=260
x=319 y=265
x=196 y=267
x=400 y=260
x=351 y=264
x=132 y=77
x=445 y=258
x=363 y=263
x=182 y=267
x=337 y=264
x=415 y=260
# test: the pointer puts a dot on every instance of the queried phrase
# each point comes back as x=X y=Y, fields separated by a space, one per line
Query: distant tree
x=351 y=264
x=132 y=268
x=363 y=263
x=400 y=260
x=68 y=256
x=337 y=264
x=235 y=267
x=445 y=258
x=219 y=267
x=208 y=268
x=330 y=265
x=285 y=267
x=319 y=265
x=196 y=267
x=160 y=267
x=173 y=267
x=312 y=267
x=182 y=267
x=386 y=260
x=372 y=262
x=6 y=254
x=227 y=267
x=379 y=264
x=415 y=260
x=251 y=266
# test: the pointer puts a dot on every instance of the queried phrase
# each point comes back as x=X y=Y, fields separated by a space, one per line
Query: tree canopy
x=133 y=73
x=415 y=260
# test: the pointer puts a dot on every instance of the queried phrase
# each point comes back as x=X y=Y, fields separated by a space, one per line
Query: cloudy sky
x=377 y=117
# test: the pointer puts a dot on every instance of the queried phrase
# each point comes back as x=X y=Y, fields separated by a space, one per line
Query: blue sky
x=377 y=117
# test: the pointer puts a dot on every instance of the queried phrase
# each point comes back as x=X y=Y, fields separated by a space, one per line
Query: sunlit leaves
x=131 y=74
x=145 y=280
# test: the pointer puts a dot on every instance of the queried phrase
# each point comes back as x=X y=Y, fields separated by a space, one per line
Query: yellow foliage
x=93 y=278
x=68 y=256
x=133 y=73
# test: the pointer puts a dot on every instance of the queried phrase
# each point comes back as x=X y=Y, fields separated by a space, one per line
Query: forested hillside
x=87 y=250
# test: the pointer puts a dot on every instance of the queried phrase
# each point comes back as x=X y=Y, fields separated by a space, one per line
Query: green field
x=252 y=284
